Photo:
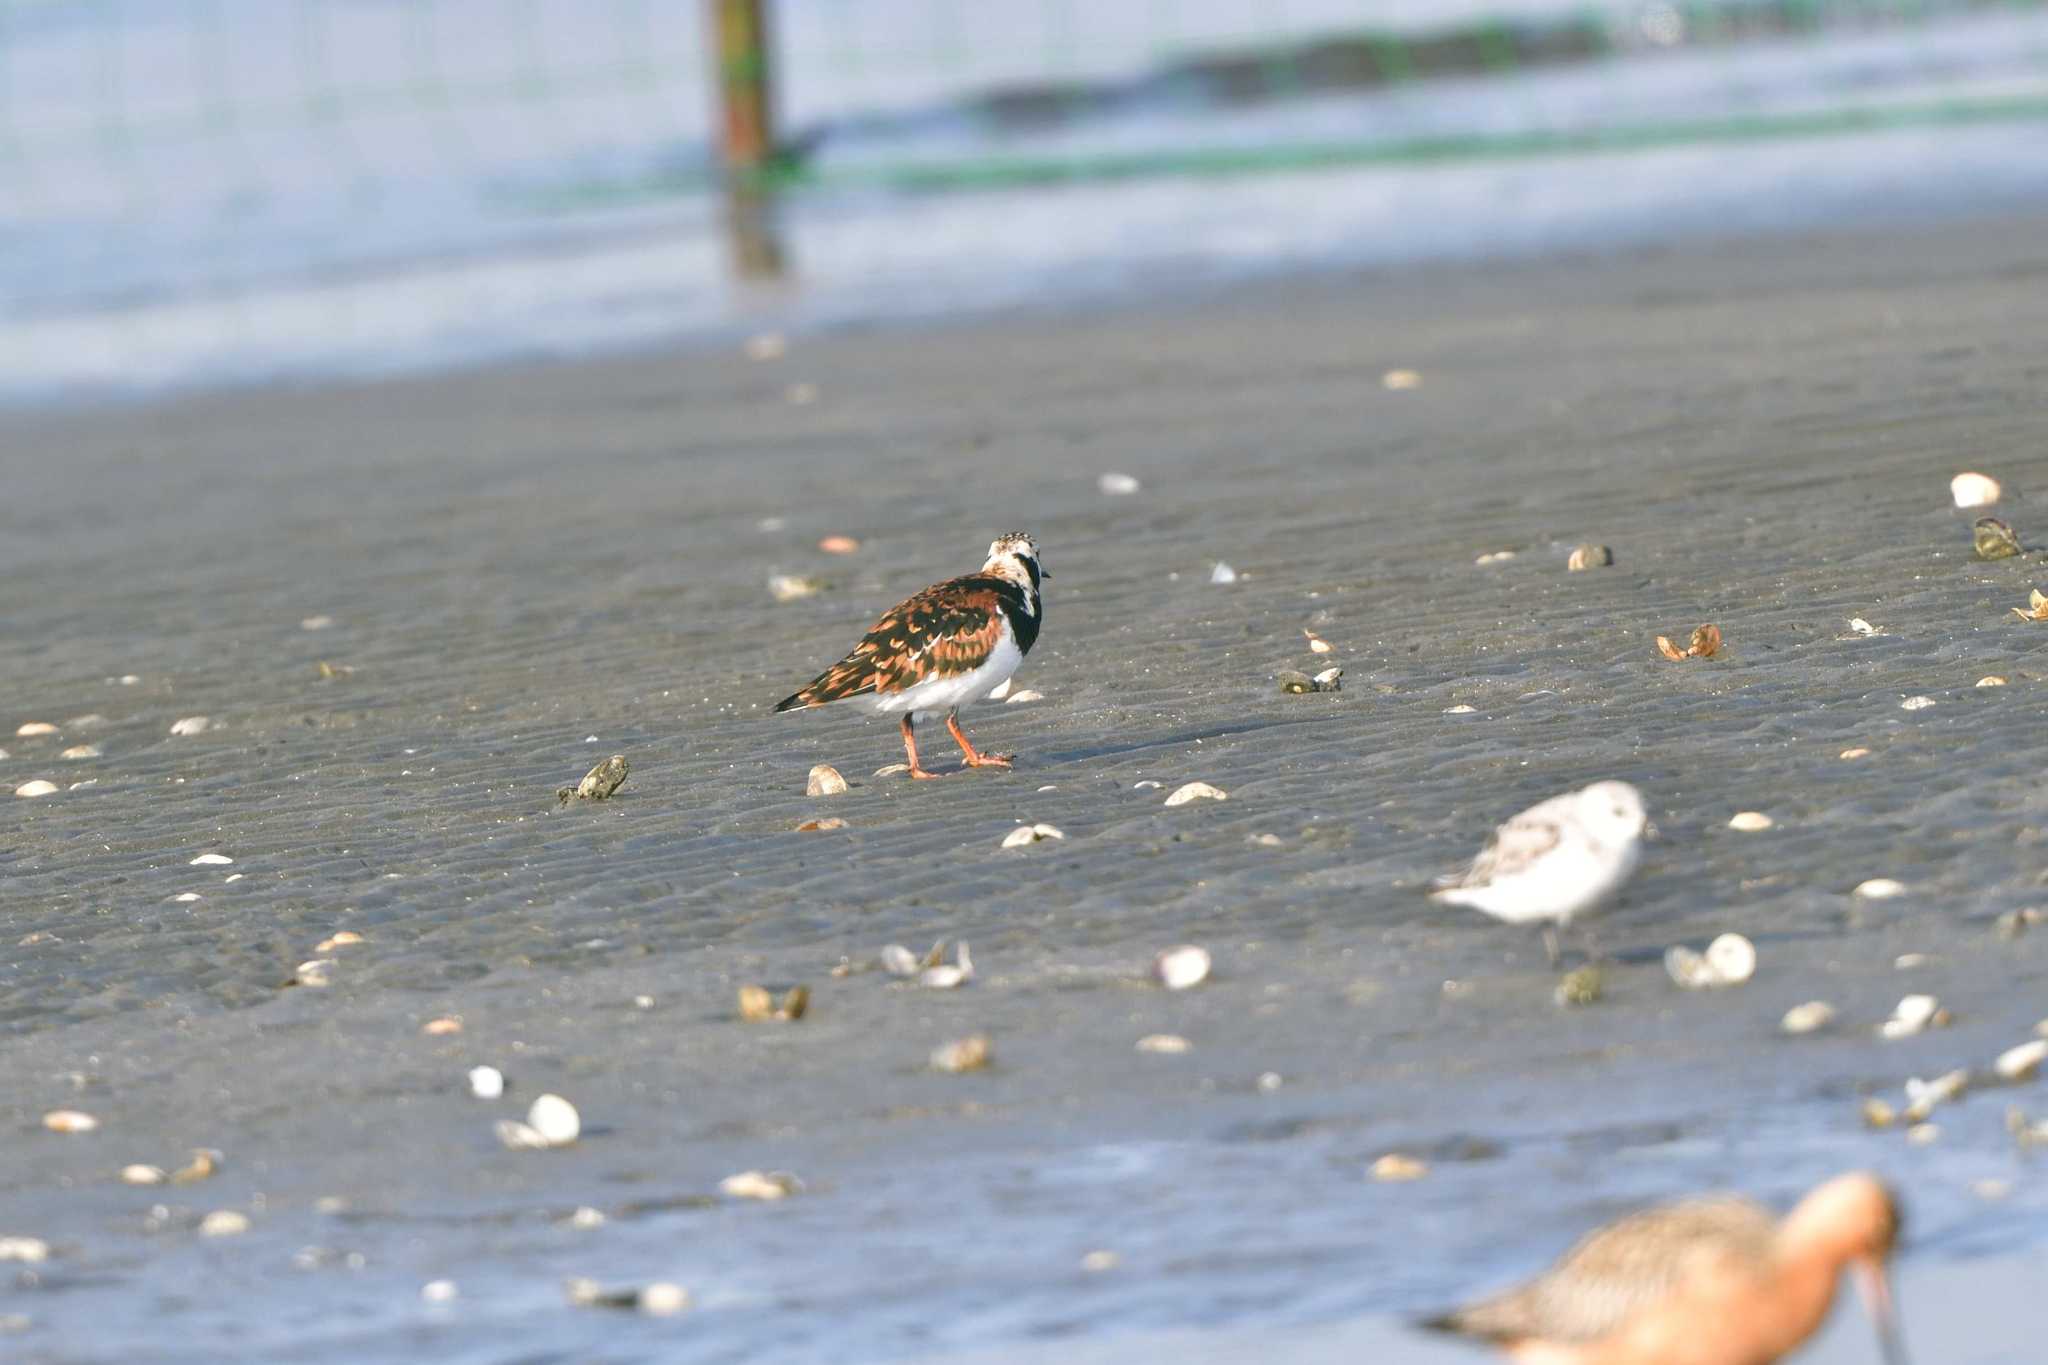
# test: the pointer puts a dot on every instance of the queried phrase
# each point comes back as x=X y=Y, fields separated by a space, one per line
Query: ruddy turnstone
x=950 y=645
x=1555 y=861
x=1714 y=1281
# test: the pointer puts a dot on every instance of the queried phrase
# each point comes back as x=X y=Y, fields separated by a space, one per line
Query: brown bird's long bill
x=1876 y=1288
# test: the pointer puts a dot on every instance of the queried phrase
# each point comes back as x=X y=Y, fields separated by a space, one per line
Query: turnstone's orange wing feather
x=951 y=627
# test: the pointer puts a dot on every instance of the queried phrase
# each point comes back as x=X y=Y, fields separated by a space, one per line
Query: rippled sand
x=528 y=569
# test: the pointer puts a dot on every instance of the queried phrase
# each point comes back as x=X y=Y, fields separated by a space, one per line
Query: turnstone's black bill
x=952 y=644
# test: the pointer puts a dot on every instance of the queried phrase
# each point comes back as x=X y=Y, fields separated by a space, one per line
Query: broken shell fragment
x=1879 y=889
x=818 y=826
x=1810 y=1017
x=191 y=725
x=317 y=972
x=598 y=784
x=1330 y=680
x=1164 y=1042
x=1196 y=791
x=224 y=1223
x=1117 y=485
x=1916 y=703
x=891 y=769
x=33 y=728
x=1991 y=680
x=1971 y=489
x=446 y=1024
x=1858 y=752
x=758 y=1004
x=1704 y=644
x=139 y=1174
x=971 y=1053
x=1030 y=834
x=69 y=1121
x=825 y=781
x=839 y=545
x=791 y=587
x=1589 y=556
x=1993 y=539
x=2036 y=608
x=204 y=1164
x=1316 y=643
x=1912 y=1015
x=39 y=787
x=1750 y=821
x=1397 y=1166
x=1861 y=626
x=347 y=938
x=211 y=860
x=81 y=751
x=1923 y=1097
x=898 y=960
x=2018 y=1063
x=486 y=1082
x=760 y=1185
x=1222 y=573
x=1021 y=695
x=24 y=1249
x=1180 y=968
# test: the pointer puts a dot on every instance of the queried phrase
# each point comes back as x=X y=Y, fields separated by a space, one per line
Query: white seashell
x=890 y=770
x=555 y=1119
x=187 y=896
x=1922 y=1097
x=966 y=1054
x=346 y=938
x=211 y=860
x=898 y=960
x=1495 y=557
x=1974 y=490
x=81 y=751
x=586 y=1217
x=1688 y=968
x=1329 y=680
x=2018 y=1063
x=662 y=1299
x=1856 y=753
x=1269 y=1081
x=34 y=728
x=825 y=781
x=1750 y=821
x=760 y=1185
x=5 y=754
x=486 y=1082
x=1117 y=485
x=789 y=587
x=1459 y=710
x=1002 y=690
x=1879 y=888
x=518 y=1136
x=1164 y=1042
x=1400 y=380
x=1916 y=703
x=1396 y=1166
x=139 y=1174
x=224 y=1223
x=1099 y=1260
x=1222 y=573
x=1147 y=785
x=24 y=1249
x=1810 y=1017
x=1179 y=968
x=36 y=788
x=1733 y=959
x=1861 y=626
x=1991 y=680
x=439 y=1291
x=944 y=977
x=1030 y=834
x=1025 y=695
x=1916 y=1009
x=314 y=973
x=191 y=725
x=1196 y=791
x=69 y=1121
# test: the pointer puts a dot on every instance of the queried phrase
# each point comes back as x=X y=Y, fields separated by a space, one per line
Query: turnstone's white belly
x=941 y=693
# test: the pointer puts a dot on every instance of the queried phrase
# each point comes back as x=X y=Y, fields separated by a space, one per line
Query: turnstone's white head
x=1014 y=555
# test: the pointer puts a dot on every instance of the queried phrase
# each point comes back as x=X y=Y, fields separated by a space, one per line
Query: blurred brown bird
x=1714 y=1281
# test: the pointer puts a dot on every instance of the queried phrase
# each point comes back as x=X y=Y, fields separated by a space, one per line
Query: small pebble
x=191 y=725
x=1222 y=573
x=760 y=1185
x=1750 y=821
x=1164 y=1042
x=551 y=1122
x=1396 y=1166
x=439 y=1291
x=1116 y=485
x=486 y=1082
x=1810 y=1017
x=1030 y=834
x=211 y=860
x=224 y=1223
x=966 y=1054
x=69 y=1121
x=1971 y=489
x=825 y=781
x=1265 y=840
x=1879 y=889
x=1180 y=968
x=1196 y=791
x=1916 y=703
x=39 y=787
x=2022 y=1062
x=1589 y=557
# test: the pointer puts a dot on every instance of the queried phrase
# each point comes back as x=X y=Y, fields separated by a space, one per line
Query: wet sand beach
x=527 y=568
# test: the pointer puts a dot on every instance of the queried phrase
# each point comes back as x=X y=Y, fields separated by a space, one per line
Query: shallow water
x=530 y=568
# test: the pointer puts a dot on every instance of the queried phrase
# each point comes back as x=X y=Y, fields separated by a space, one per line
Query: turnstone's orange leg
x=975 y=758
x=910 y=747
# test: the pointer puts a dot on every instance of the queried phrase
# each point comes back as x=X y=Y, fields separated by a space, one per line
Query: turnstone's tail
x=850 y=677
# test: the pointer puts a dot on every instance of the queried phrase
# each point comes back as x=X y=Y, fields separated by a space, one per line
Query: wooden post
x=740 y=34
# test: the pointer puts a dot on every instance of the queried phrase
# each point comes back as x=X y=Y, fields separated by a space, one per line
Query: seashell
x=1330 y=680
x=839 y=545
x=519 y=1137
x=36 y=788
x=971 y=1053
x=1399 y=381
x=1911 y=1015
x=1861 y=626
x=1196 y=791
x=139 y=1174
x=1222 y=573
x=1974 y=490
x=944 y=977
x=555 y=1119
x=81 y=751
x=1750 y=821
x=1030 y=834
x=1396 y=1166
x=69 y=1121
x=1117 y=485
x=1733 y=959
x=791 y=587
x=662 y=1299
x=315 y=622
x=1923 y=1134
x=585 y=1218
x=187 y=896
x=1459 y=710
x=818 y=826
x=1855 y=753
x=1878 y=1114
x=599 y=783
x=1991 y=680
x=439 y=1291
x=224 y=1223
x=1316 y=643
x=1164 y=1042
x=2036 y=608
x=1099 y=1260
x=1916 y=703
x=2019 y=1063
x=1269 y=1081
x=211 y=860
x=1002 y=689
x=1146 y=785
x=1495 y=557
x=1879 y=889
x=446 y=1024
x=1265 y=840
x=192 y=725
x=1581 y=986
x=1810 y=1017
x=1589 y=556
x=898 y=960
x=486 y=1082
x=1704 y=644
x=204 y=1163
x=1993 y=539
x=24 y=1249
x=760 y=1185
x=34 y=728
x=1294 y=683
x=1177 y=969
x=766 y=346
x=756 y=1004
x=1023 y=695
x=346 y=938
x=316 y=972
x=891 y=769
x=825 y=781
x=1688 y=968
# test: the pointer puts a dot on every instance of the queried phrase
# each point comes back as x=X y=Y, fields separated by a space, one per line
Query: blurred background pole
x=747 y=131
